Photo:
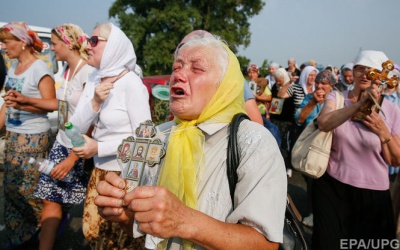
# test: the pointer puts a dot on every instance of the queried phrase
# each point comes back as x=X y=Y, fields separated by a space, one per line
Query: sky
x=329 y=32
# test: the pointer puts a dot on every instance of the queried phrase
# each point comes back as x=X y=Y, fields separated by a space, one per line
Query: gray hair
x=281 y=73
x=221 y=54
x=104 y=29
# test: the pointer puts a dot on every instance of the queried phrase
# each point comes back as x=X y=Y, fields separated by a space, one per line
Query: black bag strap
x=233 y=157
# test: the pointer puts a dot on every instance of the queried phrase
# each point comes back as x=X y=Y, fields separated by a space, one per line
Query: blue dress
x=68 y=193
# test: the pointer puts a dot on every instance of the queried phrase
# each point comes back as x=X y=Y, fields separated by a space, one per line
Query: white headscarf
x=117 y=55
x=350 y=67
x=371 y=58
x=304 y=77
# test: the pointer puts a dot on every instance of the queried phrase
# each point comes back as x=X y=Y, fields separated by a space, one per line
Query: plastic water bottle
x=74 y=134
x=45 y=166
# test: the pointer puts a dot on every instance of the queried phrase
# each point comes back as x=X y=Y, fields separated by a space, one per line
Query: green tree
x=156 y=27
x=264 y=68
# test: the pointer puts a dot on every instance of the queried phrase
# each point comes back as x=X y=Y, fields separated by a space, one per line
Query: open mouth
x=178 y=91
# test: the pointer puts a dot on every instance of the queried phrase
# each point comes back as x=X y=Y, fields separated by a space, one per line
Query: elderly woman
x=312 y=104
x=307 y=79
x=191 y=205
x=271 y=79
x=346 y=77
x=116 y=101
x=30 y=95
x=352 y=199
x=291 y=95
x=69 y=44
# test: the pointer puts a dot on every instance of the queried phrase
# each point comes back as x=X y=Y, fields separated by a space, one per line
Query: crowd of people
x=191 y=206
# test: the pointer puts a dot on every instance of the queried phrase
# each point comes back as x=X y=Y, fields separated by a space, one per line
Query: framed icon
x=140 y=151
x=134 y=170
x=125 y=149
x=62 y=114
x=253 y=87
x=131 y=184
x=146 y=130
x=276 y=106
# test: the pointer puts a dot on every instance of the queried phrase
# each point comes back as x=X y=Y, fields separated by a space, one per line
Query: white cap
x=371 y=58
x=31 y=160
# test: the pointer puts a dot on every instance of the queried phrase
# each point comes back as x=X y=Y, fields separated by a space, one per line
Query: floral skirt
x=103 y=234
x=22 y=210
x=73 y=192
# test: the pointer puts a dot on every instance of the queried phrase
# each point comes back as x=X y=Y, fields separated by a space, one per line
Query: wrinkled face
x=12 y=47
x=95 y=53
x=360 y=77
x=253 y=75
x=311 y=78
x=59 y=47
x=194 y=81
x=272 y=70
x=291 y=63
x=323 y=88
x=280 y=81
x=348 y=76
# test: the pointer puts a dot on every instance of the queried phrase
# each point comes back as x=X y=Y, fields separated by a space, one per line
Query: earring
x=23 y=47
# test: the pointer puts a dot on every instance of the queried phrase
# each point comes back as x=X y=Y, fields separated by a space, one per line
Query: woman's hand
x=102 y=91
x=376 y=124
x=159 y=212
x=62 y=169
x=110 y=203
x=319 y=95
x=370 y=93
x=88 y=150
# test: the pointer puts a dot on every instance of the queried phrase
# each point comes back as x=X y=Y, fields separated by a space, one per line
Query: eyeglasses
x=94 y=40
x=361 y=70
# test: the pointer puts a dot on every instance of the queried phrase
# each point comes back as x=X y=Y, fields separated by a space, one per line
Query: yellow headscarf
x=184 y=161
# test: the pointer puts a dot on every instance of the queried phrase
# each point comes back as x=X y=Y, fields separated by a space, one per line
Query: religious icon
x=145 y=131
x=276 y=106
x=134 y=169
x=131 y=184
x=154 y=153
x=62 y=114
x=126 y=149
x=140 y=151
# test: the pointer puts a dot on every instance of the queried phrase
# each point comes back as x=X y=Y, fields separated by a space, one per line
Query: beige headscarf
x=74 y=36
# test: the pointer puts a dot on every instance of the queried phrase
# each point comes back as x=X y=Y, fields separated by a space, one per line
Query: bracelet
x=387 y=140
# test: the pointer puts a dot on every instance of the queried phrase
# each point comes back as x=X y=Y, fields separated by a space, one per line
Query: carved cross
x=391 y=80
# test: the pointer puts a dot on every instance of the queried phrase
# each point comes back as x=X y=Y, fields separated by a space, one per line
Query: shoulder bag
x=293 y=233
x=311 y=151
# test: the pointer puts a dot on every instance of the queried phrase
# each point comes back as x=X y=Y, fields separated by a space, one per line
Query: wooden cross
x=383 y=76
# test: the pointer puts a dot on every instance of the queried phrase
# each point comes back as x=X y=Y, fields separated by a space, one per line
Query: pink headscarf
x=22 y=31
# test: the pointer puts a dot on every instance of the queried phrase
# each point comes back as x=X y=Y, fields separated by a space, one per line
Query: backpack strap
x=233 y=156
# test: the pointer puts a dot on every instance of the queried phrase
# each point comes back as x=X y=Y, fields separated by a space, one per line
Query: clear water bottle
x=74 y=134
x=45 y=166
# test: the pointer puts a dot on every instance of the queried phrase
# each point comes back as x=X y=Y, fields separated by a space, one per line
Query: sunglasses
x=94 y=40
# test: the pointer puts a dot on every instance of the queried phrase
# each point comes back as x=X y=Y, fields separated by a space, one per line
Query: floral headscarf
x=326 y=76
x=22 y=31
x=254 y=68
x=73 y=35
